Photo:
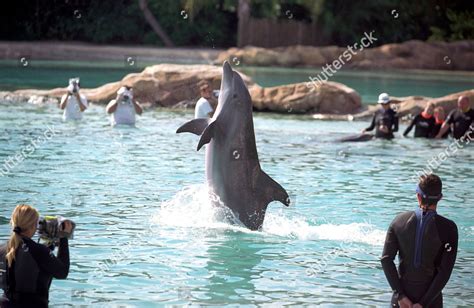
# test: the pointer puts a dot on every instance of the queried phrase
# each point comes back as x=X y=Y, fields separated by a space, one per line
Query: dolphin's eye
x=235 y=95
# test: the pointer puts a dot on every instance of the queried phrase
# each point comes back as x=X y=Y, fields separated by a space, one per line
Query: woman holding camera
x=26 y=267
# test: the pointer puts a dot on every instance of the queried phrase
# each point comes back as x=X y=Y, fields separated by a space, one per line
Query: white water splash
x=298 y=227
x=192 y=208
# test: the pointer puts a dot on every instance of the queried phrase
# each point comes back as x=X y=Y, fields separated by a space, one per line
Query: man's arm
x=446 y=125
x=395 y=123
x=372 y=125
x=112 y=106
x=64 y=99
x=138 y=107
x=390 y=251
x=81 y=104
x=209 y=110
x=407 y=131
x=444 y=128
x=445 y=268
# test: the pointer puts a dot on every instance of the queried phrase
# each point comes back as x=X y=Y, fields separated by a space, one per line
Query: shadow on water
x=232 y=265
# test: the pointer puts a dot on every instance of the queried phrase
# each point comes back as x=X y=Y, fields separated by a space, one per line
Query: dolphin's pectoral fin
x=271 y=190
x=196 y=126
x=207 y=135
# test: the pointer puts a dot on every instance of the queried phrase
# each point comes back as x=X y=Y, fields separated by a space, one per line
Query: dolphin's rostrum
x=232 y=167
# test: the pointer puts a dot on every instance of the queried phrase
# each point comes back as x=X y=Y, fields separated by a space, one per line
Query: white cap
x=384 y=98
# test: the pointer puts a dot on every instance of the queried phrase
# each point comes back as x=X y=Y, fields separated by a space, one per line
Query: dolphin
x=232 y=167
x=357 y=138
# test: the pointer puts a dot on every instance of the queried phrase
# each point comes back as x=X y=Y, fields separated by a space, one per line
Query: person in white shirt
x=203 y=107
x=122 y=110
x=73 y=103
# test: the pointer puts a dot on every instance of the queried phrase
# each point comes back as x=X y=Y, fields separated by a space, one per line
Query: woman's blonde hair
x=24 y=218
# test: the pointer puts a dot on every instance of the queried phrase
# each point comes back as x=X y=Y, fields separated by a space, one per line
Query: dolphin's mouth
x=227 y=76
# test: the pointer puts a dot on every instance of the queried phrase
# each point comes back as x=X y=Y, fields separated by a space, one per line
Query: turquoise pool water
x=147 y=235
x=52 y=74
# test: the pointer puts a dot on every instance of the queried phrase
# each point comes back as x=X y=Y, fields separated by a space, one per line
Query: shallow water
x=147 y=234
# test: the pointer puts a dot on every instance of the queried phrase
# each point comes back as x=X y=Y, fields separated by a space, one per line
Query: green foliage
x=461 y=27
x=213 y=23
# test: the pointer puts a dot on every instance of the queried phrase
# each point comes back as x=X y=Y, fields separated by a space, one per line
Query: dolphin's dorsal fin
x=207 y=135
x=270 y=190
x=196 y=126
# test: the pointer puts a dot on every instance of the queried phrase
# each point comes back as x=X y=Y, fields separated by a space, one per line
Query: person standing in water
x=426 y=244
x=440 y=118
x=385 y=120
x=123 y=108
x=461 y=120
x=73 y=103
x=203 y=107
x=26 y=267
x=424 y=123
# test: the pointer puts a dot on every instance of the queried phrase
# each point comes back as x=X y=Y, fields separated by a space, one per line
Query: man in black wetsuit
x=424 y=123
x=426 y=244
x=385 y=120
x=461 y=119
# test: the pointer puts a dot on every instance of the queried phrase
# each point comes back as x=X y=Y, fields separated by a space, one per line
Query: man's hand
x=384 y=129
x=405 y=302
x=417 y=306
x=67 y=227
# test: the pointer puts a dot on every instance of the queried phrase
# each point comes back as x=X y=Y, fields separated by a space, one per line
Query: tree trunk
x=244 y=16
x=154 y=23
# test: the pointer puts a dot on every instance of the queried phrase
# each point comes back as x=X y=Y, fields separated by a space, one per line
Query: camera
x=51 y=229
x=73 y=85
x=126 y=93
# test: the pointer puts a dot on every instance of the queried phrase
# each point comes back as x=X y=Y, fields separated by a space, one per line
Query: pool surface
x=148 y=236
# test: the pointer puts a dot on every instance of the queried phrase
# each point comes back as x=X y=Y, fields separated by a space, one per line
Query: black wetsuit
x=461 y=121
x=26 y=283
x=387 y=118
x=423 y=126
x=423 y=272
x=436 y=129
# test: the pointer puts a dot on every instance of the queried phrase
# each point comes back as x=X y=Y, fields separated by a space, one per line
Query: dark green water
x=52 y=74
